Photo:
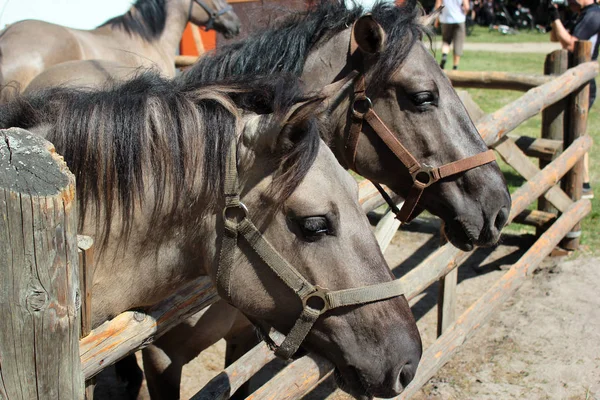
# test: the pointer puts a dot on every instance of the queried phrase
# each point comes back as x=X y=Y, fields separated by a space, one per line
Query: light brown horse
x=151 y=158
x=147 y=35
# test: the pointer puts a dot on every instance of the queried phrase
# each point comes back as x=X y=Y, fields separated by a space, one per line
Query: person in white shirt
x=452 y=20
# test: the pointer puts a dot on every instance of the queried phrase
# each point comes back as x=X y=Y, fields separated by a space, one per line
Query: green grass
x=482 y=34
x=492 y=100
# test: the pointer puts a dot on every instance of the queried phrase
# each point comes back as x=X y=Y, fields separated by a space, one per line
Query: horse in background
x=147 y=36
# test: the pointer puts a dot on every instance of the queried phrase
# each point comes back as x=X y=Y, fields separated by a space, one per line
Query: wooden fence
x=45 y=288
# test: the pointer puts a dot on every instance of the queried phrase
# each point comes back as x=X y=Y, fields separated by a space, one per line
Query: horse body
x=146 y=36
x=150 y=159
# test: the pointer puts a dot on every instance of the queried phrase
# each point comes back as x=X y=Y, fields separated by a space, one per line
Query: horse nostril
x=501 y=218
x=407 y=374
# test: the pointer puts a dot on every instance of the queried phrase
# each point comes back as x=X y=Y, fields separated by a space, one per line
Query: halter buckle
x=317 y=300
x=424 y=176
x=235 y=212
x=360 y=106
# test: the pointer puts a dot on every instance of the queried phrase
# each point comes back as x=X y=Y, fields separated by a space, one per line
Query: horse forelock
x=147 y=18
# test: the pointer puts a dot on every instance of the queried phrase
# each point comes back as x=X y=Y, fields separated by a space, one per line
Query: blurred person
x=452 y=20
x=586 y=27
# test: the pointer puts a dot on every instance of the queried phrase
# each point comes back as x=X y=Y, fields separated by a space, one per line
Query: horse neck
x=177 y=19
x=323 y=65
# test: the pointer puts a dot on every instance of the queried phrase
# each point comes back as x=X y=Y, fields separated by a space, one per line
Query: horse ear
x=368 y=35
x=299 y=123
x=429 y=19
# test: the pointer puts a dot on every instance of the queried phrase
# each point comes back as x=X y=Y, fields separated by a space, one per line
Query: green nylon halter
x=315 y=300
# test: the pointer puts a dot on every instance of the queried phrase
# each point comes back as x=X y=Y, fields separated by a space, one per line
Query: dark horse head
x=408 y=91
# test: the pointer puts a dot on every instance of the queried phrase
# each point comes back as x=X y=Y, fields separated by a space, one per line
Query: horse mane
x=152 y=134
x=269 y=51
x=146 y=18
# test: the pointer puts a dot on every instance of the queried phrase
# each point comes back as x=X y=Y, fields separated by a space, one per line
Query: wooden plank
x=514 y=157
x=495 y=125
x=86 y=271
x=484 y=308
x=576 y=127
x=295 y=380
x=39 y=283
x=556 y=63
x=133 y=330
x=447 y=301
x=386 y=228
x=448 y=257
x=369 y=197
x=536 y=218
x=496 y=80
x=544 y=149
x=185 y=61
x=234 y=376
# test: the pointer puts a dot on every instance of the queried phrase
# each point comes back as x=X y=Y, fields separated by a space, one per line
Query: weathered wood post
x=576 y=127
x=553 y=120
x=39 y=282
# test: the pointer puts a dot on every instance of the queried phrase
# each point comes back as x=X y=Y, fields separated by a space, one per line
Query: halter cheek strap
x=212 y=14
x=315 y=300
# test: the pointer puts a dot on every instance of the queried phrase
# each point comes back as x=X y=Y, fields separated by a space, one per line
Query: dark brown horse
x=152 y=160
x=146 y=36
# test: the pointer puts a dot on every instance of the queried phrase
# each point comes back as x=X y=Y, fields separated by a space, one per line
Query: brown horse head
x=215 y=14
x=408 y=91
x=416 y=103
x=306 y=206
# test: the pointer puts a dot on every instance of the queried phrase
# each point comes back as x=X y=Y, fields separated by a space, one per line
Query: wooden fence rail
x=133 y=330
x=496 y=80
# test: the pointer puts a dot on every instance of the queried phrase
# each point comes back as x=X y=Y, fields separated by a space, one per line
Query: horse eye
x=423 y=98
x=314 y=228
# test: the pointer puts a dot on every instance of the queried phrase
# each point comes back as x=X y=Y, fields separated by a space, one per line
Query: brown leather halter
x=362 y=112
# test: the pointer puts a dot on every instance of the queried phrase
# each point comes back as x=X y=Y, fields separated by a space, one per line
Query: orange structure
x=195 y=41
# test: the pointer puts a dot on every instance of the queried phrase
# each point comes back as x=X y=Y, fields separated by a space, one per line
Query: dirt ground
x=544 y=343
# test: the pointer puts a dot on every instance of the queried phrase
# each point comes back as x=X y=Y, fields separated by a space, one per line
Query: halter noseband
x=315 y=300
x=362 y=112
x=212 y=14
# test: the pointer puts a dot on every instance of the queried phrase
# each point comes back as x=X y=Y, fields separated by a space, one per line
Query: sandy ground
x=542 y=344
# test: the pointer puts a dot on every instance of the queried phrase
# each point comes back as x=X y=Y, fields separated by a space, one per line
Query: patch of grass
x=482 y=34
x=492 y=100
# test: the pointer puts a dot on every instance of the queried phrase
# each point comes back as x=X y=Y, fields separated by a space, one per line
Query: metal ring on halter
x=241 y=207
x=321 y=294
x=424 y=176
x=367 y=101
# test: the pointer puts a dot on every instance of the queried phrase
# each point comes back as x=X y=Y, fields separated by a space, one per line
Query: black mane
x=147 y=19
x=152 y=134
x=285 y=47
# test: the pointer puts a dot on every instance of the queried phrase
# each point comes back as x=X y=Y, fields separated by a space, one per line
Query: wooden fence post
x=39 y=277
x=556 y=63
x=576 y=127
